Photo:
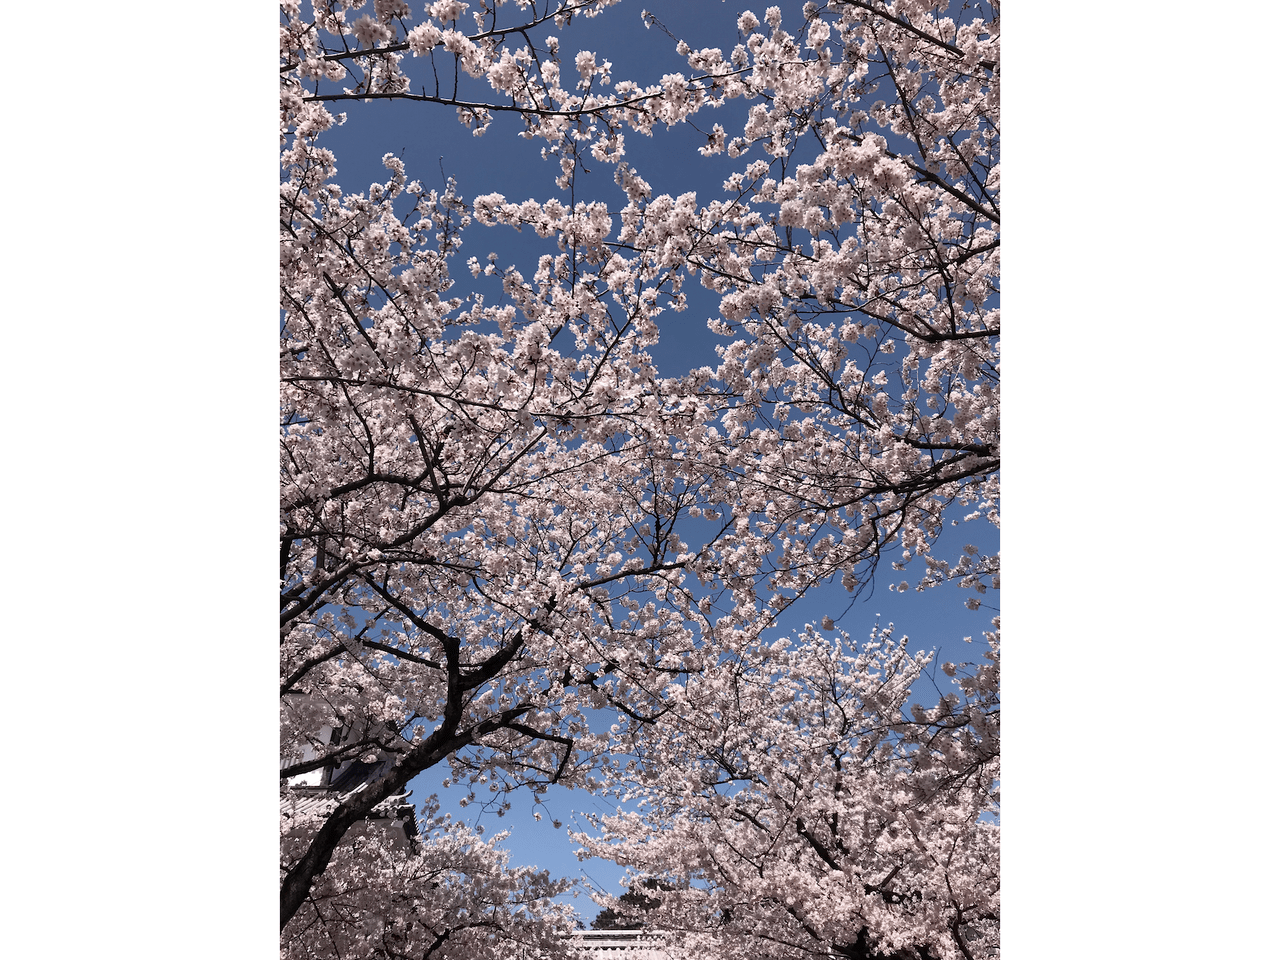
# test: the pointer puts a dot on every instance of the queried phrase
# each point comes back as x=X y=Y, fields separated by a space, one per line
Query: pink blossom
x=368 y=31
x=422 y=38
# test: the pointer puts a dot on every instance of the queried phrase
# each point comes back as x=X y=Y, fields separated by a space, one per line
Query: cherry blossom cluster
x=792 y=803
x=452 y=893
x=475 y=524
x=334 y=55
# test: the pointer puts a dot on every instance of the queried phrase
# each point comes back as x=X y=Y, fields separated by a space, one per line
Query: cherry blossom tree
x=452 y=893
x=498 y=515
x=796 y=805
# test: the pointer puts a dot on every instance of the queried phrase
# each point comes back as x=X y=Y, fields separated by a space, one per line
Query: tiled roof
x=310 y=803
x=312 y=797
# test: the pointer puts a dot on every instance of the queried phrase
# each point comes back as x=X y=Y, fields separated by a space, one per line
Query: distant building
x=620 y=945
x=313 y=795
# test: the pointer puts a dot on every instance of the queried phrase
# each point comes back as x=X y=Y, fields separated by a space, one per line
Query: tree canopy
x=501 y=520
